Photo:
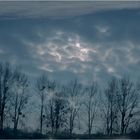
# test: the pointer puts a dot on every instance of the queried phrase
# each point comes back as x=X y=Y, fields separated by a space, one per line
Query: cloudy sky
x=67 y=40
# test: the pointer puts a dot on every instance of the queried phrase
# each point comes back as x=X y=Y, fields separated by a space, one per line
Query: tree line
x=62 y=107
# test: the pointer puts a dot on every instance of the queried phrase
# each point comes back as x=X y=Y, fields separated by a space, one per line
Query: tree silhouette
x=19 y=97
x=90 y=103
x=127 y=101
x=41 y=86
x=57 y=112
x=6 y=78
x=73 y=90
x=110 y=106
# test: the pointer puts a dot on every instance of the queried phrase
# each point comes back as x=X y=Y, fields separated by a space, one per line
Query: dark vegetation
x=62 y=108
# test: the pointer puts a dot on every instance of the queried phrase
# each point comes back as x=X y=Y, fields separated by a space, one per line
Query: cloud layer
x=59 y=9
x=89 y=47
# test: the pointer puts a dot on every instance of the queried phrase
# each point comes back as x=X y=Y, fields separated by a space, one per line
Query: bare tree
x=110 y=106
x=127 y=100
x=56 y=112
x=20 y=97
x=5 y=84
x=91 y=104
x=50 y=114
x=73 y=90
x=41 y=86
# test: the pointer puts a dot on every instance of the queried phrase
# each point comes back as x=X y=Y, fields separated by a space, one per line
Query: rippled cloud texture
x=94 y=41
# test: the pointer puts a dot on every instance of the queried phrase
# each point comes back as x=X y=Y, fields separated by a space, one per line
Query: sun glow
x=81 y=51
x=78 y=45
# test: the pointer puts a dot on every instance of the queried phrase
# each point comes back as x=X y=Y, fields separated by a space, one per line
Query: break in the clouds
x=91 y=40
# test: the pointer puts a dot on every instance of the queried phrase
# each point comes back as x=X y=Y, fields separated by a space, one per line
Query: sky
x=68 y=40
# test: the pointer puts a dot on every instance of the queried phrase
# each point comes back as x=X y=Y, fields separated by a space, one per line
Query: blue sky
x=84 y=40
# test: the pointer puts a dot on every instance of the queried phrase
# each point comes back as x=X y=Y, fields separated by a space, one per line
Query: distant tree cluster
x=61 y=108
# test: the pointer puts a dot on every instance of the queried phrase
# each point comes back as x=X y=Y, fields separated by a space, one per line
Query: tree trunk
x=2 y=117
x=89 y=131
x=41 y=118
x=1 y=122
x=122 y=124
x=71 y=125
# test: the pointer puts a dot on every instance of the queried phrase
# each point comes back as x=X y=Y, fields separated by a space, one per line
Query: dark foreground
x=9 y=134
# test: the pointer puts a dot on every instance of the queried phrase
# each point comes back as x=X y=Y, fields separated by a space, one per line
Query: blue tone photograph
x=69 y=69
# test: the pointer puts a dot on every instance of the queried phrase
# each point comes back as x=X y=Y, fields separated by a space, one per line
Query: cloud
x=69 y=53
x=62 y=51
x=94 y=46
x=59 y=9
